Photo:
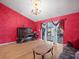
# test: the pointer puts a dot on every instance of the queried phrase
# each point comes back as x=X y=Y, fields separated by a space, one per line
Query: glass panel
x=52 y=31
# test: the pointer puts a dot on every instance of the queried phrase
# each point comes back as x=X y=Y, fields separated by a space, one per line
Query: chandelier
x=36 y=7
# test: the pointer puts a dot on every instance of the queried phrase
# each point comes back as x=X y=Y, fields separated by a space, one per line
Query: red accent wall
x=9 y=21
x=71 y=26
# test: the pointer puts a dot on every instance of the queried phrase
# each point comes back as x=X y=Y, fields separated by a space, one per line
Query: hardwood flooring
x=22 y=51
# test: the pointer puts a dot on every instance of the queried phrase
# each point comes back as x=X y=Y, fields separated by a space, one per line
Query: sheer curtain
x=53 y=31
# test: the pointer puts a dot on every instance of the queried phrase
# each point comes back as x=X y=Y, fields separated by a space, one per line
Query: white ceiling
x=49 y=8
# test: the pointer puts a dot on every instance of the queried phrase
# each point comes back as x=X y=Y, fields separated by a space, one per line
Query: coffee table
x=42 y=50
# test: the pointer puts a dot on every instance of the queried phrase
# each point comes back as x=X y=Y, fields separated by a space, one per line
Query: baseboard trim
x=7 y=43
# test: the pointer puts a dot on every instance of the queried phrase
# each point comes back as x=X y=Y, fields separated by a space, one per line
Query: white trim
x=6 y=43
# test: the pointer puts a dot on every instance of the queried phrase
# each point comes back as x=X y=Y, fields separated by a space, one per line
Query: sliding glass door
x=52 y=31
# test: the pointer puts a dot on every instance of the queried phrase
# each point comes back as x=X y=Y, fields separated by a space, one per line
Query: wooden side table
x=42 y=50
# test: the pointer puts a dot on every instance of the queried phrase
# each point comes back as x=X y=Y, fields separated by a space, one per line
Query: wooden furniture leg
x=51 y=52
x=33 y=54
x=42 y=56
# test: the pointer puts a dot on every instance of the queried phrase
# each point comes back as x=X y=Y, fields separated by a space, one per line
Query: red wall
x=9 y=21
x=71 y=26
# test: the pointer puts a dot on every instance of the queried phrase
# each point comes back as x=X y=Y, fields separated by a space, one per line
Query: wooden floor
x=23 y=51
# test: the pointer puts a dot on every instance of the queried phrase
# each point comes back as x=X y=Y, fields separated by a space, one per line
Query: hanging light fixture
x=36 y=7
